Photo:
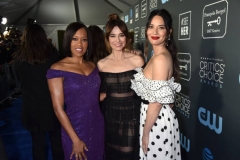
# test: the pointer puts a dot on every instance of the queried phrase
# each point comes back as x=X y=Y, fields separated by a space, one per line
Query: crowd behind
x=9 y=44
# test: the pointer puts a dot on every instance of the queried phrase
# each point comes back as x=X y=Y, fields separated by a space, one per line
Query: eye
x=150 y=26
x=84 y=40
x=74 y=39
x=112 y=36
x=121 y=35
x=162 y=27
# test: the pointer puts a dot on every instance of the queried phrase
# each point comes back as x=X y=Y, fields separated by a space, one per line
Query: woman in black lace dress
x=121 y=106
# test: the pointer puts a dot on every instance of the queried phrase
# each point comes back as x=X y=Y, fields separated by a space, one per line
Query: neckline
x=75 y=72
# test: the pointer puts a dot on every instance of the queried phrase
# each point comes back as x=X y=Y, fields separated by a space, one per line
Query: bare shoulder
x=162 y=60
x=137 y=60
x=101 y=63
x=163 y=57
x=92 y=64
x=60 y=65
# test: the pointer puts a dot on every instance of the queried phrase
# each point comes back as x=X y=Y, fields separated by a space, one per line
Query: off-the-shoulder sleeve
x=154 y=90
x=51 y=73
x=103 y=87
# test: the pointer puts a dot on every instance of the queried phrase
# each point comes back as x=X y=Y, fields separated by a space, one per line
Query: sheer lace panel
x=121 y=110
x=122 y=149
x=119 y=95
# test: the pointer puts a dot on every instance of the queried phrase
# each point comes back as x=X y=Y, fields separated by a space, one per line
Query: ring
x=76 y=155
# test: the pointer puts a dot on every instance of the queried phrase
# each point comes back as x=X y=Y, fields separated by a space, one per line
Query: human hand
x=137 y=52
x=145 y=140
x=78 y=150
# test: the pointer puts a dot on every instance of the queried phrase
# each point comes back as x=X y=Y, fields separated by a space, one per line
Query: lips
x=154 y=38
x=117 y=45
x=79 y=49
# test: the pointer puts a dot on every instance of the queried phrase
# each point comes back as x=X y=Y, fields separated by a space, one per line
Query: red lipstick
x=154 y=38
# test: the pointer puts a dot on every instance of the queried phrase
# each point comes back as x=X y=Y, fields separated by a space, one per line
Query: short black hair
x=71 y=29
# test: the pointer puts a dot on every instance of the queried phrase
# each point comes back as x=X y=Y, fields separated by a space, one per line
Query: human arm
x=103 y=84
x=56 y=91
x=159 y=71
x=102 y=96
x=137 y=52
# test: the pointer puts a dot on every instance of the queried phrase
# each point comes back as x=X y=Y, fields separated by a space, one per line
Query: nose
x=79 y=42
x=118 y=38
x=155 y=30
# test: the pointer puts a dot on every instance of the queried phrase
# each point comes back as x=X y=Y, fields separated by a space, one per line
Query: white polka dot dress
x=164 y=139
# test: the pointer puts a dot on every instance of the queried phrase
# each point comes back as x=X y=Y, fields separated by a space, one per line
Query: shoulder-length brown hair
x=122 y=26
x=35 y=48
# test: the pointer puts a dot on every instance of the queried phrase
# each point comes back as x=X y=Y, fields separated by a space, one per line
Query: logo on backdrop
x=207 y=154
x=184 y=27
x=136 y=12
x=182 y=104
x=131 y=16
x=142 y=33
x=214 y=20
x=126 y=18
x=212 y=71
x=136 y=30
x=184 y=65
x=185 y=143
x=164 y=1
x=210 y=119
x=144 y=8
x=153 y=4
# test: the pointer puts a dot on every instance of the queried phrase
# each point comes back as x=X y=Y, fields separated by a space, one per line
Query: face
x=156 y=32
x=79 y=43
x=117 y=40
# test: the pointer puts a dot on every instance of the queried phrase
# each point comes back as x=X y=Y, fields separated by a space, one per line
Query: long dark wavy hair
x=99 y=50
x=169 y=43
x=71 y=29
x=34 y=48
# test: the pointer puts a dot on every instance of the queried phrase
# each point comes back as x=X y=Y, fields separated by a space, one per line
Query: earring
x=168 y=40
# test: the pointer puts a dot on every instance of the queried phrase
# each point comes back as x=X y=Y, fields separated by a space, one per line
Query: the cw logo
x=185 y=143
x=204 y=117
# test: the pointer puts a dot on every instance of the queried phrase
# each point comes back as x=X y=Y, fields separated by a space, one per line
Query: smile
x=79 y=49
x=154 y=38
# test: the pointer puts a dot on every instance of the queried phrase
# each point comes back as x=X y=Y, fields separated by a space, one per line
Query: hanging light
x=4 y=20
x=31 y=21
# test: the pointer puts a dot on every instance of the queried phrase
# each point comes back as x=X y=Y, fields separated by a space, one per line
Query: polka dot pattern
x=164 y=135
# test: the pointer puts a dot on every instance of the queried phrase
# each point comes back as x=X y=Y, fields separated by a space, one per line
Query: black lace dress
x=121 y=110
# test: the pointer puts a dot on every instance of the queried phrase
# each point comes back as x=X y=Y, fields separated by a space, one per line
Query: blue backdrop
x=207 y=36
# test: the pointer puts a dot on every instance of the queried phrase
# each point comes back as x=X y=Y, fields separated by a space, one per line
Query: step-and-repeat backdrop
x=207 y=33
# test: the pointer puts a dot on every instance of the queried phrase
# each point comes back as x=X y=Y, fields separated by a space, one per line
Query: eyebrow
x=116 y=34
x=157 y=25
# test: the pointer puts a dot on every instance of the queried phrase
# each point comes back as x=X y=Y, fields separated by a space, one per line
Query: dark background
x=209 y=46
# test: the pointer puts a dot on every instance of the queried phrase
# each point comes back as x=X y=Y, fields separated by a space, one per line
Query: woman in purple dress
x=74 y=86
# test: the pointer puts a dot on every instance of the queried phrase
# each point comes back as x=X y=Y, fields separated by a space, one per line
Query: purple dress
x=81 y=97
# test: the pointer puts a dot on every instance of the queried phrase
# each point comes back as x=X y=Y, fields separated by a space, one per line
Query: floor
x=16 y=141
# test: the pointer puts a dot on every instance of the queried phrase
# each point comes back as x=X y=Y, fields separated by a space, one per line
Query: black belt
x=145 y=101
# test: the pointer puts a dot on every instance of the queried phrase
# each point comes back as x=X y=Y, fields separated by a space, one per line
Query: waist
x=144 y=101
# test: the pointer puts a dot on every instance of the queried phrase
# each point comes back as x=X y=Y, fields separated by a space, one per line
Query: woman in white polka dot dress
x=159 y=133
